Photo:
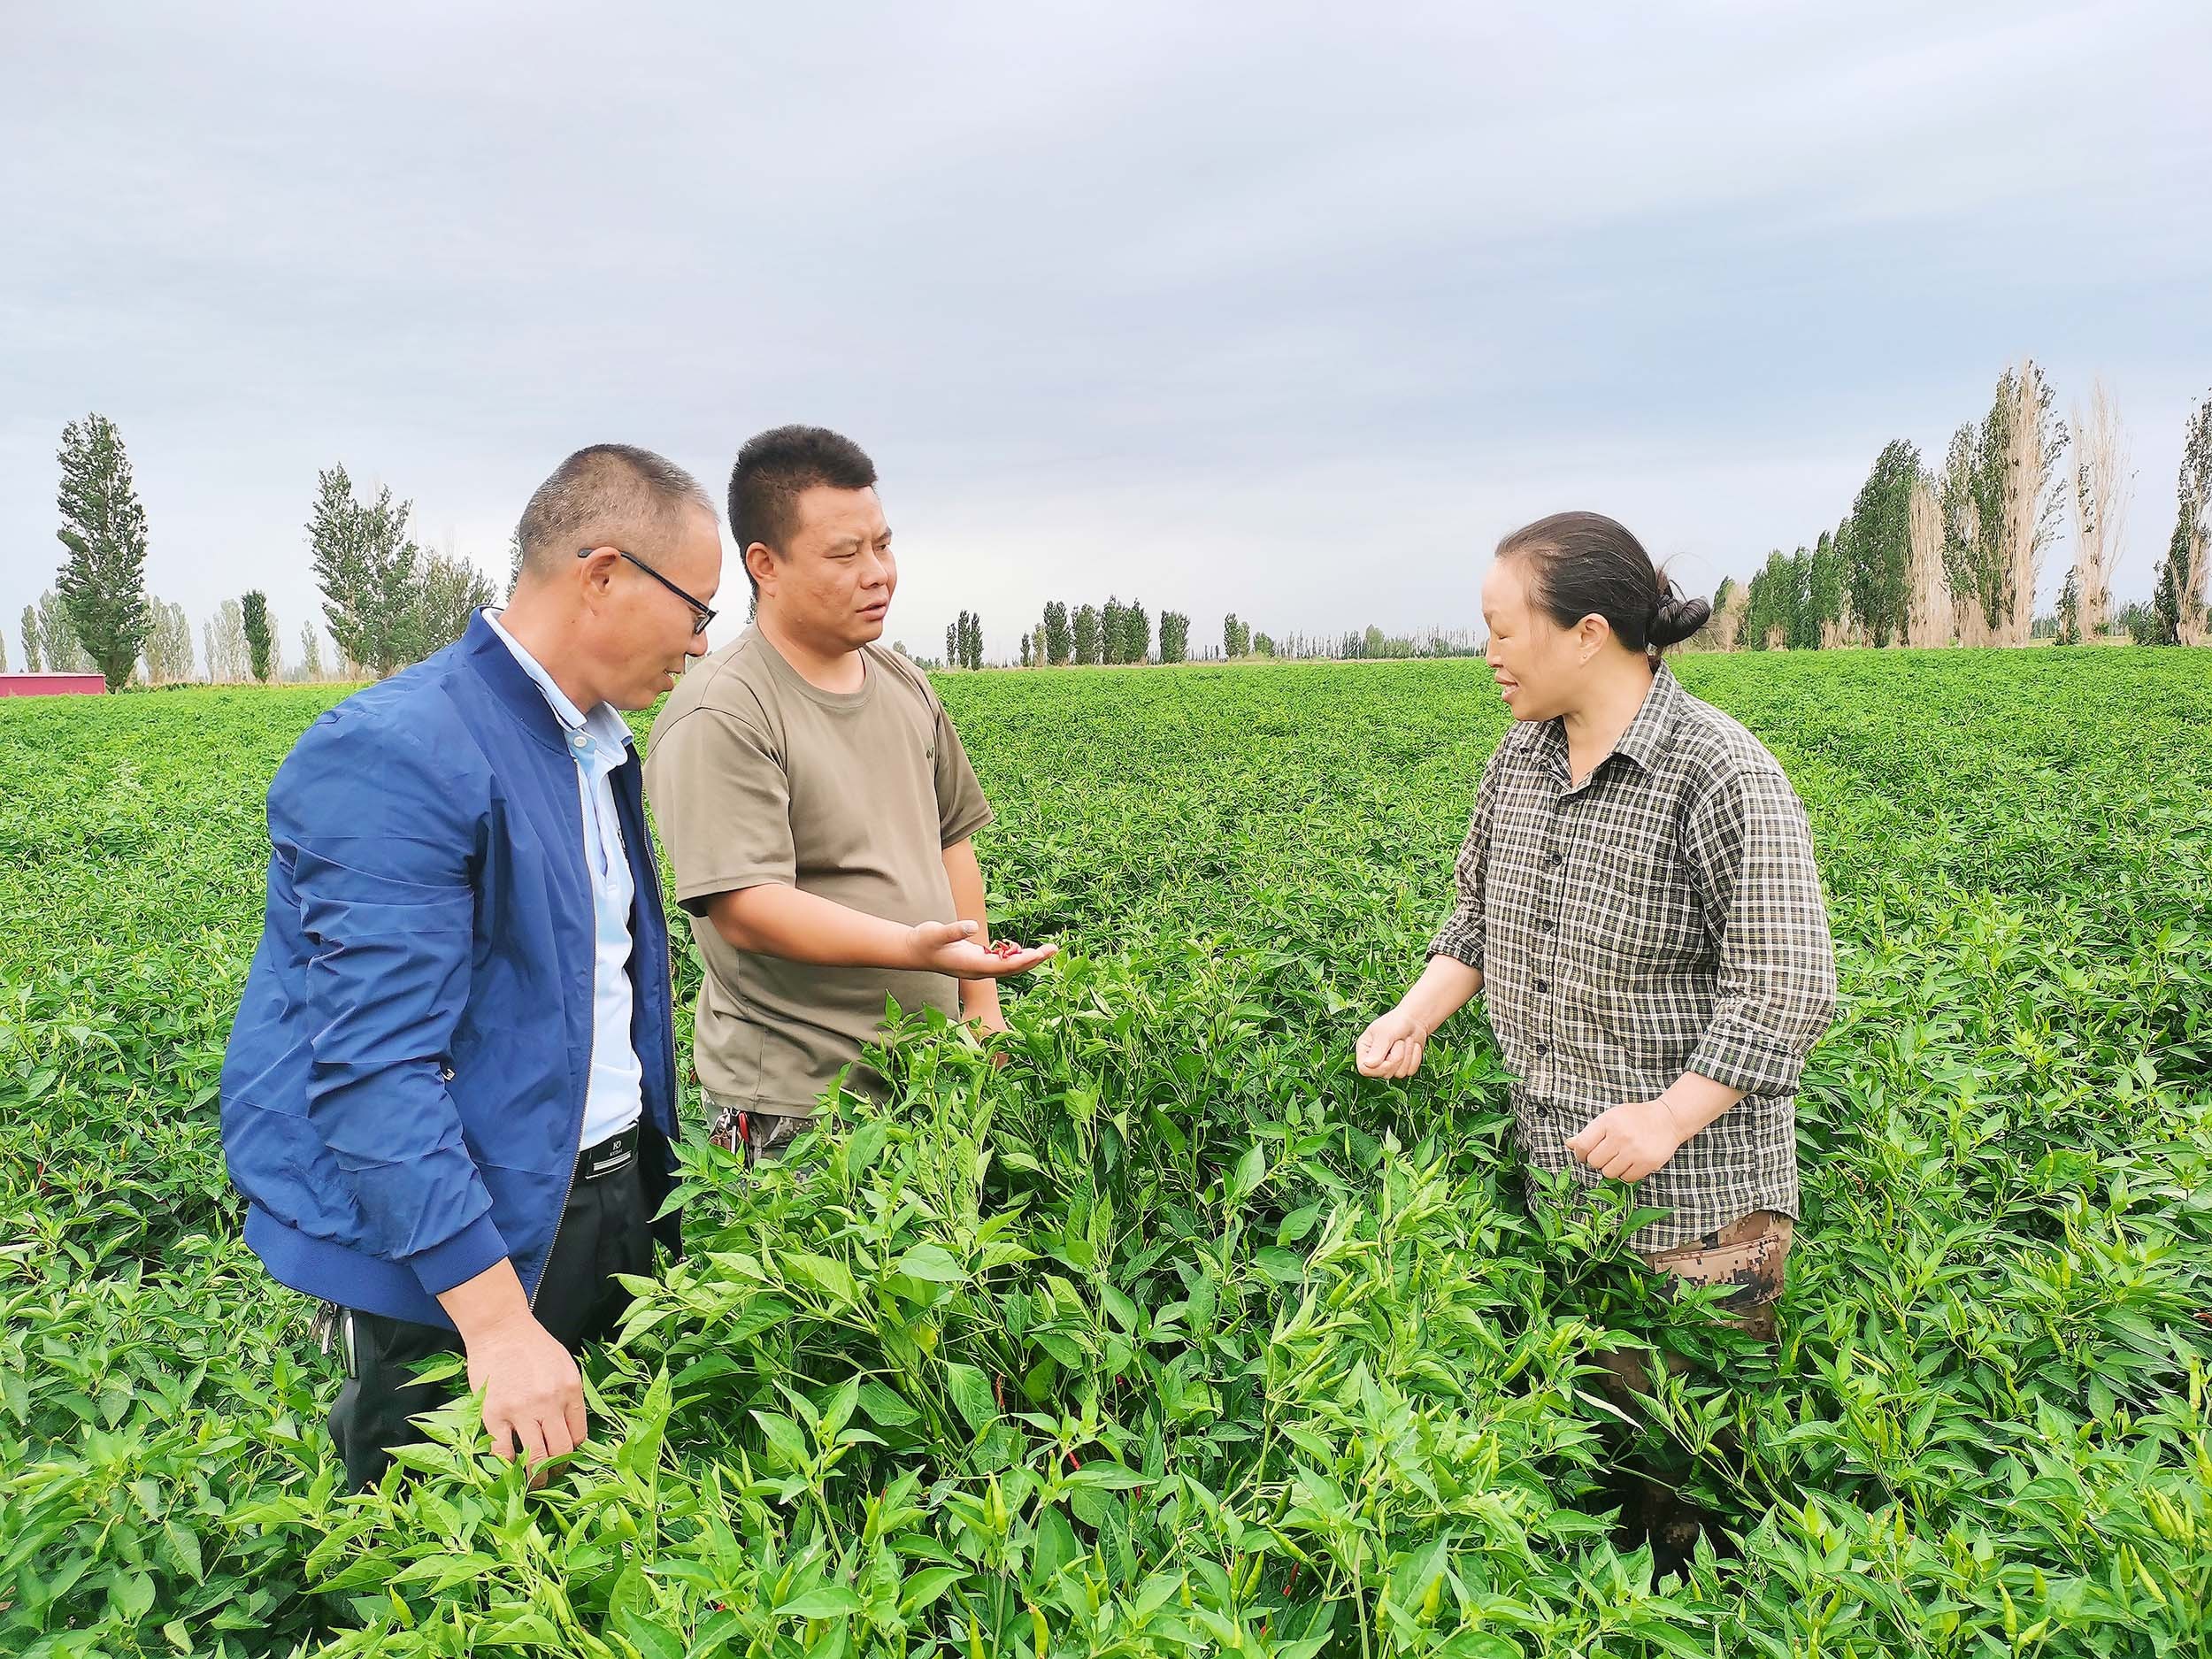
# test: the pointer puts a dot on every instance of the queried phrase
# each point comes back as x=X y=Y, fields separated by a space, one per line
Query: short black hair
x=614 y=494
x=775 y=468
x=1584 y=563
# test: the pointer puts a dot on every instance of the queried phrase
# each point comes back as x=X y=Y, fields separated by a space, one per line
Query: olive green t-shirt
x=757 y=777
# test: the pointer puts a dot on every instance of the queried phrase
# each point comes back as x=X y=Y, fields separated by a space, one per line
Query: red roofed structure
x=52 y=685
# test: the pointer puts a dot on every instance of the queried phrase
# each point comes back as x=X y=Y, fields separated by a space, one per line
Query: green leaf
x=933 y=1263
x=652 y=1640
x=1251 y=1169
x=825 y=1601
x=183 y=1549
x=835 y=1278
x=924 y=1588
x=886 y=1406
x=786 y=1439
x=1106 y=1477
x=1123 y=1311
x=131 y=1595
x=971 y=1395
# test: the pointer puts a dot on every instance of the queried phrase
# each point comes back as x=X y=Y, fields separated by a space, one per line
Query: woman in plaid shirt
x=1639 y=905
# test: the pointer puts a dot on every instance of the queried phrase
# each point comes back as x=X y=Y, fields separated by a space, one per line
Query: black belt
x=610 y=1157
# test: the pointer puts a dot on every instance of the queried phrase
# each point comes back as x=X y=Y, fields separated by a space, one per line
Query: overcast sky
x=1289 y=310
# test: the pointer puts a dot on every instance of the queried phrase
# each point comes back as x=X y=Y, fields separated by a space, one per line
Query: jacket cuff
x=460 y=1258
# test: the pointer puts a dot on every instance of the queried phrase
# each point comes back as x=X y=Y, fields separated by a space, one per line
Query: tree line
x=1925 y=555
x=386 y=601
x=1954 y=553
x=1114 y=633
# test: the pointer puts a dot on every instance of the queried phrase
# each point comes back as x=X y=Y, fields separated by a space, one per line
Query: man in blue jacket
x=451 y=1091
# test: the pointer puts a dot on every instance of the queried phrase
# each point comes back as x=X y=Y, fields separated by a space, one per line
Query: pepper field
x=1173 y=1335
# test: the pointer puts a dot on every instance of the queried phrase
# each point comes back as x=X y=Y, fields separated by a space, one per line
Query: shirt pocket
x=1635 y=921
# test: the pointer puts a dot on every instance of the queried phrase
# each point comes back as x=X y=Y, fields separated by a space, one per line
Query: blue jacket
x=404 y=1087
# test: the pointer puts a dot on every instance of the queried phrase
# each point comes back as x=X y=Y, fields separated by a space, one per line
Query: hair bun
x=1675 y=618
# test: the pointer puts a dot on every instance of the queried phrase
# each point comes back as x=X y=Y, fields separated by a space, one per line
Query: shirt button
x=1543 y=987
x=1557 y=860
x=1543 y=1050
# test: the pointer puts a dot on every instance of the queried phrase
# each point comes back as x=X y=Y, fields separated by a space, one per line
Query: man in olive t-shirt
x=818 y=808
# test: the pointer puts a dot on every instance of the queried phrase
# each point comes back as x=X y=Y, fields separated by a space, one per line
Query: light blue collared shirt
x=599 y=742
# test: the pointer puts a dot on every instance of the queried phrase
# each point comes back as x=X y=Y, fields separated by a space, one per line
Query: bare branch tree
x=1927 y=586
x=2102 y=485
x=2033 y=442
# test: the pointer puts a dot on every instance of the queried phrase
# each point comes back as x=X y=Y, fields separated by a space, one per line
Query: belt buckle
x=615 y=1154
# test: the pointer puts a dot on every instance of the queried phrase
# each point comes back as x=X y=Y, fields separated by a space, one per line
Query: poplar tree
x=1878 y=552
x=370 y=571
x=169 y=646
x=449 y=592
x=103 y=581
x=1825 y=596
x=1136 y=633
x=2101 y=485
x=255 y=615
x=58 y=646
x=1110 y=632
x=2179 y=600
x=1174 y=637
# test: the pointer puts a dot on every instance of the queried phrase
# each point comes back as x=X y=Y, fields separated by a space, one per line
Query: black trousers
x=605 y=1230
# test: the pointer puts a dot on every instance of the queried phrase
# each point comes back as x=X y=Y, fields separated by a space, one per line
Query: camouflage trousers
x=1752 y=1256
x=754 y=1134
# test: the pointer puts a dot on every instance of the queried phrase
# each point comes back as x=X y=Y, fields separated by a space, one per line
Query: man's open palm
x=951 y=948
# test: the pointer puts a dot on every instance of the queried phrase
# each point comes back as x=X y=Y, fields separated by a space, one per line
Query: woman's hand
x=1392 y=1047
x=1631 y=1140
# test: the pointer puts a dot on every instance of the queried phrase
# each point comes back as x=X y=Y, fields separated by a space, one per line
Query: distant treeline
x=1954 y=556
x=1104 y=636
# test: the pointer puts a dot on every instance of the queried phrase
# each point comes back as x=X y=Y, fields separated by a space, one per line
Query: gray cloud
x=1227 y=307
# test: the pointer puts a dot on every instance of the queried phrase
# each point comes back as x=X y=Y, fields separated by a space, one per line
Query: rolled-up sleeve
x=1750 y=853
x=1462 y=934
x=382 y=851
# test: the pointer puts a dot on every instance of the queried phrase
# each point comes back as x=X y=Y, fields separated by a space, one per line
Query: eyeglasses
x=700 y=614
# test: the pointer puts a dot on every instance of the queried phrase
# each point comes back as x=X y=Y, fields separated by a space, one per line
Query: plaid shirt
x=1663 y=916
